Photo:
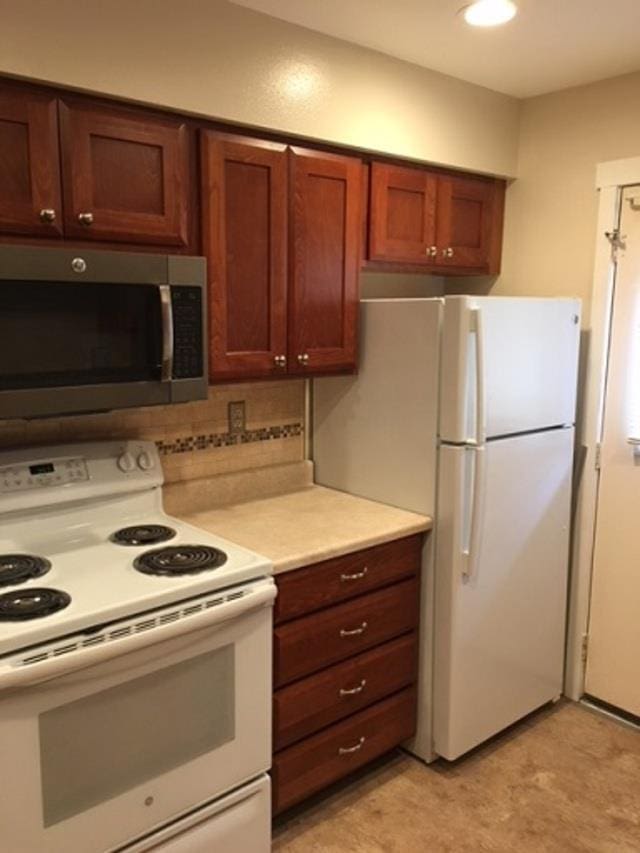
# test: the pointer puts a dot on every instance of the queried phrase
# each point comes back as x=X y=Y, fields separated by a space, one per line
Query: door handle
x=166 y=310
x=471 y=547
x=475 y=325
x=353 y=691
x=354 y=632
x=347 y=750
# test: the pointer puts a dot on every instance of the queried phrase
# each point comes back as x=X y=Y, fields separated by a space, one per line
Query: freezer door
x=501 y=579
x=509 y=365
x=374 y=434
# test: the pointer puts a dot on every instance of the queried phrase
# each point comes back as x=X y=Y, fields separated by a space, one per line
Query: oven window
x=103 y=745
x=57 y=334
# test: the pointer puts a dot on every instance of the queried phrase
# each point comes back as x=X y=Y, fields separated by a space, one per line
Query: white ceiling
x=549 y=45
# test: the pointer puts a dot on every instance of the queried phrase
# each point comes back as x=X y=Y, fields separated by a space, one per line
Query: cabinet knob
x=447 y=253
x=431 y=251
x=85 y=218
x=47 y=214
x=280 y=360
x=303 y=359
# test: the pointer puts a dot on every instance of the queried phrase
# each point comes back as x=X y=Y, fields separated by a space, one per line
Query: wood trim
x=216 y=149
x=79 y=120
x=40 y=116
x=303 y=165
x=320 y=585
x=497 y=228
x=316 y=762
x=313 y=642
x=313 y=703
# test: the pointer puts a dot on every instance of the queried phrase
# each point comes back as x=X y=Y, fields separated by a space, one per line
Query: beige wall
x=213 y=58
x=552 y=207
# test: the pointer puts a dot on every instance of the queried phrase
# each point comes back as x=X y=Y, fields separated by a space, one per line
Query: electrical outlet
x=237 y=417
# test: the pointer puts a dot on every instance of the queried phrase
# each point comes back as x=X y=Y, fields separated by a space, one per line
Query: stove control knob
x=145 y=461
x=126 y=462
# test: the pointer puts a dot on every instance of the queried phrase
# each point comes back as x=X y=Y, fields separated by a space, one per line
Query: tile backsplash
x=194 y=439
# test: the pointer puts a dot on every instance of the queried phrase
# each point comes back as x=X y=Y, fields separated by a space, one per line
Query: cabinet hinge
x=585 y=648
x=598 y=457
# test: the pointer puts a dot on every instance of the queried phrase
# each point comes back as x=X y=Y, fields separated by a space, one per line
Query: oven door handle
x=166 y=311
x=18 y=677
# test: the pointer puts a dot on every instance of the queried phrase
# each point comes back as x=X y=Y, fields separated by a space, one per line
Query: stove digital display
x=42 y=468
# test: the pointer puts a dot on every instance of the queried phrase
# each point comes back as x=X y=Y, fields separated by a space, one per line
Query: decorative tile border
x=191 y=443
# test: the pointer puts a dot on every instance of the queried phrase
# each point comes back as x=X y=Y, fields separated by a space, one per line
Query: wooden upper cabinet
x=469 y=222
x=403 y=214
x=29 y=164
x=444 y=223
x=126 y=175
x=244 y=210
x=324 y=221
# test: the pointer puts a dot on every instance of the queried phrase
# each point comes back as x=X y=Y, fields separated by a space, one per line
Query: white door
x=501 y=584
x=613 y=661
x=119 y=745
x=509 y=365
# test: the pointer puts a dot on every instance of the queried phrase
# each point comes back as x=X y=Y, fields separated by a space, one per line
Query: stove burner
x=18 y=568
x=180 y=560
x=143 y=534
x=31 y=603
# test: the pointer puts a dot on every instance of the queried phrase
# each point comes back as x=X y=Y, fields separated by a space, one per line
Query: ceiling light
x=489 y=13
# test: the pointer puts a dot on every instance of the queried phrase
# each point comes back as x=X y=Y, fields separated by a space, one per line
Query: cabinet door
x=402 y=218
x=470 y=223
x=125 y=176
x=29 y=164
x=324 y=252
x=244 y=206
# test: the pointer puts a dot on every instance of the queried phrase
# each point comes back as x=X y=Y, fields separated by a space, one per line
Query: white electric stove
x=135 y=662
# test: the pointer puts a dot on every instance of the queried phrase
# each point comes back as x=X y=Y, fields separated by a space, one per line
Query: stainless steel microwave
x=88 y=331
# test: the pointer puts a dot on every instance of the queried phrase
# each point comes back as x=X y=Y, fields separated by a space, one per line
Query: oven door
x=112 y=750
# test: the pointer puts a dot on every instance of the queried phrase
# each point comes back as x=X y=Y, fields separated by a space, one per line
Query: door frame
x=611 y=178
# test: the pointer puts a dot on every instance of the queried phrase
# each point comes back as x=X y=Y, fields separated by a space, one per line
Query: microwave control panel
x=17 y=478
x=186 y=303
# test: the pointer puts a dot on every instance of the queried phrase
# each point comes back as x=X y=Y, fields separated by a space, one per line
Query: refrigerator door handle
x=472 y=531
x=475 y=326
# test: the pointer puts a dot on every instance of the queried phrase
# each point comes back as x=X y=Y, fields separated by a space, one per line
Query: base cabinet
x=345 y=666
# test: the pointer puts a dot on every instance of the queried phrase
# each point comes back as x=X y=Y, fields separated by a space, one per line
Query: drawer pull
x=356 y=576
x=354 y=631
x=353 y=690
x=347 y=750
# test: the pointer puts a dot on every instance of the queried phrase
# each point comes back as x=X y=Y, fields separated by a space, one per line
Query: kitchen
x=132 y=133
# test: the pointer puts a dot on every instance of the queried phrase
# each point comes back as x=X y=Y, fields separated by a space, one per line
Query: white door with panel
x=613 y=661
x=509 y=365
x=501 y=583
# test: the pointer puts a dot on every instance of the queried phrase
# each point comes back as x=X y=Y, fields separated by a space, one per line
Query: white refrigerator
x=464 y=410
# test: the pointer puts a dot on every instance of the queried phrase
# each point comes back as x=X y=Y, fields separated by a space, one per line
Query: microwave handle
x=166 y=310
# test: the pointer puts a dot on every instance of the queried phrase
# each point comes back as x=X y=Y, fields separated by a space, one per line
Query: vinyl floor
x=566 y=780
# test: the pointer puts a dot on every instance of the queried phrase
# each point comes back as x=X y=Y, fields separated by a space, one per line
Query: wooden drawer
x=313 y=642
x=314 y=587
x=321 y=759
x=321 y=699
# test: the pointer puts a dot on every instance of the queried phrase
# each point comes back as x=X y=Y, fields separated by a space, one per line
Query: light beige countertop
x=302 y=525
